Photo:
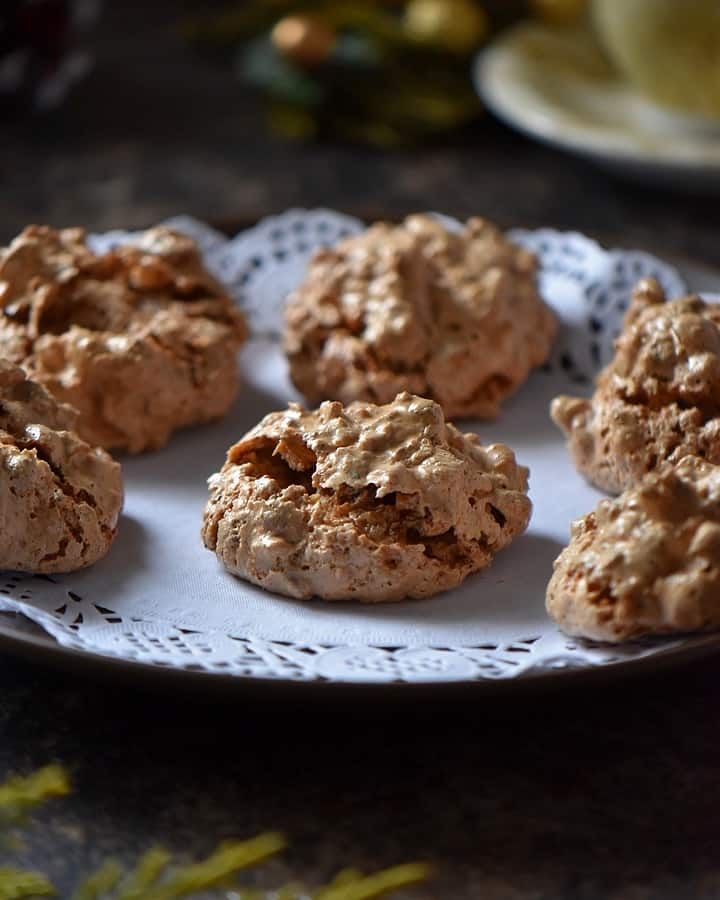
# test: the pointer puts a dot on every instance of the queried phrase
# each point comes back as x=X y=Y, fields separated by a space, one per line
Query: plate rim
x=541 y=127
x=34 y=644
x=49 y=653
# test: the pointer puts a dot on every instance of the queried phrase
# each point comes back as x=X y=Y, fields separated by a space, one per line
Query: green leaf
x=371 y=886
x=149 y=882
x=148 y=871
x=16 y=884
x=228 y=859
x=343 y=877
x=152 y=879
x=20 y=794
x=98 y=885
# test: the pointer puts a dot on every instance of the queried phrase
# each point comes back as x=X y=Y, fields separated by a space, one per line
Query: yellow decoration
x=16 y=885
x=456 y=25
x=352 y=885
x=20 y=794
x=303 y=39
x=559 y=12
x=155 y=877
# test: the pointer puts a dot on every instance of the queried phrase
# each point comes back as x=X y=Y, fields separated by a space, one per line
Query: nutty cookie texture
x=60 y=498
x=659 y=398
x=452 y=316
x=140 y=340
x=370 y=503
x=646 y=562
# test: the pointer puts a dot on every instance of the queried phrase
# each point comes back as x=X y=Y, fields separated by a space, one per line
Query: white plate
x=554 y=86
x=162 y=601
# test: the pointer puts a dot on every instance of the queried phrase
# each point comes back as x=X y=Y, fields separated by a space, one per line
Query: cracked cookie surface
x=141 y=340
x=365 y=502
x=452 y=316
x=646 y=562
x=659 y=398
x=60 y=498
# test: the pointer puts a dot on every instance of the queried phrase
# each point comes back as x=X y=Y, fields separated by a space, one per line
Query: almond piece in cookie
x=646 y=562
x=659 y=398
x=60 y=498
x=454 y=316
x=365 y=502
x=141 y=340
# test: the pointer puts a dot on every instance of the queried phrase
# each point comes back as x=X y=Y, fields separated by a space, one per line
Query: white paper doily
x=161 y=598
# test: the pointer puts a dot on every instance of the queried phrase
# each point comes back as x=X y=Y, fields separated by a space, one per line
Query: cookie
x=370 y=503
x=140 y=340
x=659 y=398
x=60 y=498
x=646 y=562
x=454 y=316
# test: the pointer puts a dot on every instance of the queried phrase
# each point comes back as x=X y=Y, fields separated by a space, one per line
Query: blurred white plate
x=160 y=602
x=554 y=85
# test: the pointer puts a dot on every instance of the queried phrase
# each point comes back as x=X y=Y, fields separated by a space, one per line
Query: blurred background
x=597 y=115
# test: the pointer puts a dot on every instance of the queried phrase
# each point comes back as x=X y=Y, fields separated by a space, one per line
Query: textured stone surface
x=610 y=792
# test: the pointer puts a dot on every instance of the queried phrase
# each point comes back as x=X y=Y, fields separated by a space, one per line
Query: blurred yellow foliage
x=558 y=12
x=455 y=25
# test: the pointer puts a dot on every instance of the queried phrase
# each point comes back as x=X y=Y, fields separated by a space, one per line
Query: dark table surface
x=612 y=791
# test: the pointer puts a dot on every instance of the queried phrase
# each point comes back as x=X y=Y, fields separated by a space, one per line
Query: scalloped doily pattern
x=589 y=287
x=84 y=625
